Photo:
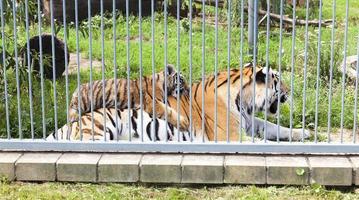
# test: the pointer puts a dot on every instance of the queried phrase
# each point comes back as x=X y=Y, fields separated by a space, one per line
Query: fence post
x=251 y=24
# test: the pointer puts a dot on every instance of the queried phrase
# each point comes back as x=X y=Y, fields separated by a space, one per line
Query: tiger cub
x=110 y=94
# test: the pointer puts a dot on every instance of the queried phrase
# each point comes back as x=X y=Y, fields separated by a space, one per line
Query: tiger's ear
x=170 y=69
x=250 y=64
x=261 y=76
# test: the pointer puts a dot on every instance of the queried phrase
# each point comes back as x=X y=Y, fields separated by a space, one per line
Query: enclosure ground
x=21 y=190
x=181 y=168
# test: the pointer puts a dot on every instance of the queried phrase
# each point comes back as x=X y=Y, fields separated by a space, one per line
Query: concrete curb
x=180 y=168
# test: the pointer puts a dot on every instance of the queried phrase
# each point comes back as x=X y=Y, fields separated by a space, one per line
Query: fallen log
x=210 y=2
x=301 y=22
x=276 y=17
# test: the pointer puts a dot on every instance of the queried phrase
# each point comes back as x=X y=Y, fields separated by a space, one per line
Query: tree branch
x=288 y=20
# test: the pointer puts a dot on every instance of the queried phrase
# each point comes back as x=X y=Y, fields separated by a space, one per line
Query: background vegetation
x=197 y=56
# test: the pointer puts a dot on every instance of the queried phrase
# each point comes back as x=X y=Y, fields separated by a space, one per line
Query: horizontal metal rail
x=183 y=147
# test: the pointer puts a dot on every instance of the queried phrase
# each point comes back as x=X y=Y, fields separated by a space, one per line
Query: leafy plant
x=300 y=171
x=20 y=10
x=317 y=188
x=325 y=59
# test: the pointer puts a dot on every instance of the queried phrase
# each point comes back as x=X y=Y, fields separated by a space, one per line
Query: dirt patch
x=84 y=64
x=336 y=135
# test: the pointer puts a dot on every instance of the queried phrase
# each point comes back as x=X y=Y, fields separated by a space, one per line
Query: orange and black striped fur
x=109 y=95
x=241 y=101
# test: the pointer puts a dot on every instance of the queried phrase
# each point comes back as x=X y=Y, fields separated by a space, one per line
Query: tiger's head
x=176 y=82
x=180 y=84
x=267 y=95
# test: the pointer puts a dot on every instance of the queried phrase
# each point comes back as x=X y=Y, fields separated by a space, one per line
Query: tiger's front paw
x=184 y=124
x=298 y=134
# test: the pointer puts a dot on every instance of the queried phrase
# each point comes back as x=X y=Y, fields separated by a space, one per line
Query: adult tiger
x=103 y=93
x=240 y=104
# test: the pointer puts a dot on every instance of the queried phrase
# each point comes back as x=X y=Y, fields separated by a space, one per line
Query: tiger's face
x=181 y=87
x=176 y=83
x=276 y=90
x=267 y=95
x=281 y=94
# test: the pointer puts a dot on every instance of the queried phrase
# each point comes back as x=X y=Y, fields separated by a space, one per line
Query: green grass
x=197 y=57
x=120 y=191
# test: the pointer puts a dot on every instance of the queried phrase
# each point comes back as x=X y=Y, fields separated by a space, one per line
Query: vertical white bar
x=129 y=103
x=190 y=71
x=17 y=70
x=5 y=73
x=104 y=82
x=115 y=66
x=292 y=72
x=305 y=68
x=153 y=69
x=344 y=69
x=250 y=26
x=178 y=65
x=53 y=65
x=356 y=97
x=331 y=69
x=241 y=69
x=41 y=71
x=280 y=64
x=78 y=66
x=216 y=76
x=267 y=66
x=203 y=64
x=141 y=69
x=29 y=67
x=90 y=60
x=66 y=62
x=165 y=45
x=255 y=25
x=318 y=72
x=228 y=68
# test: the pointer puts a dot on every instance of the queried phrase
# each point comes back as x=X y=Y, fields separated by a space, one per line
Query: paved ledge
x=7 y=165
x=285 y=170
x=119 y=168
x=355 y=162
x=37 y=167
x=158 y=168
x=202 y=169
x=244 y=169
x=78 y=167
x=337 y=171
x=181 y=168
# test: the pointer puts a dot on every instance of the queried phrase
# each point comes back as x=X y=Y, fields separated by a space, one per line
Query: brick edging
x=181 y=168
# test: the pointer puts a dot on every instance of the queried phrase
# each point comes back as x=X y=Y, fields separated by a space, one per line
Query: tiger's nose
x=283 y=98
